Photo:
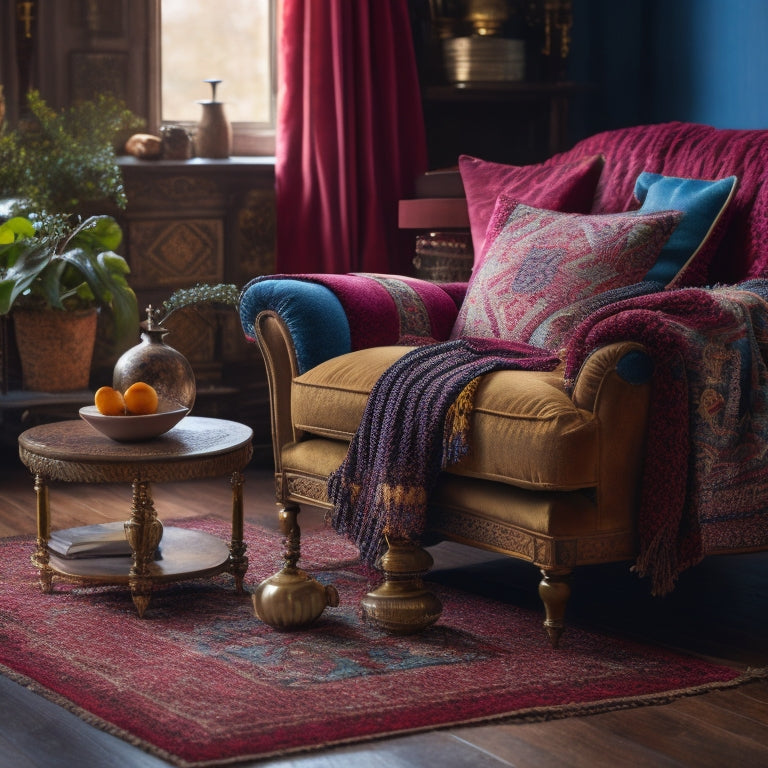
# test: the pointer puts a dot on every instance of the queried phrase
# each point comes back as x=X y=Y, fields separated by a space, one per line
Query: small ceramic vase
x=177 y=143
x=214 y=132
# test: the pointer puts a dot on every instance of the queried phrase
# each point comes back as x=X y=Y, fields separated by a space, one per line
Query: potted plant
x=57 y=266
x=60 y=161
x=53 y=275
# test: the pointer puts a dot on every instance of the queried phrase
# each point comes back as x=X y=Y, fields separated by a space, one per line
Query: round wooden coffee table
x=73 y=451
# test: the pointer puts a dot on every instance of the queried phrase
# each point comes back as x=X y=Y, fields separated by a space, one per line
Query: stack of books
x=99 y=540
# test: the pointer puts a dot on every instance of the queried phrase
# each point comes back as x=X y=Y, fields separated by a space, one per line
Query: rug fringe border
x=529 y=715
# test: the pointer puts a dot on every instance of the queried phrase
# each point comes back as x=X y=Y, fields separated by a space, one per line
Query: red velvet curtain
x=350 y=135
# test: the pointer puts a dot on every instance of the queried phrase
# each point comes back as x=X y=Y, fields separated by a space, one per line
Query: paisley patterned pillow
x=540 y=262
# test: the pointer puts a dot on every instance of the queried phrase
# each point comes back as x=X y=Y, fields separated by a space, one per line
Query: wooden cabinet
x=205 y=221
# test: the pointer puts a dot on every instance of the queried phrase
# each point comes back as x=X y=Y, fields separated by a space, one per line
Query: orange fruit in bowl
x=109 y=402
x=140 y=399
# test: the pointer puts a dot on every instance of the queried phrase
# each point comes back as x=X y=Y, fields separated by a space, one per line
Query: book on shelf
x=98 y=540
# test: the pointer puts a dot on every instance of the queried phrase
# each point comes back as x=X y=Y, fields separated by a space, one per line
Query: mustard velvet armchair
x=558 y=457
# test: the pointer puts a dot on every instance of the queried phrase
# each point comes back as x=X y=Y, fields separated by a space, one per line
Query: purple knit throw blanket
x=404 y=439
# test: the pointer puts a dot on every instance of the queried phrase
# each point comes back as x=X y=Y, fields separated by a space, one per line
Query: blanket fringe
x=456 y=431
x=660 y=561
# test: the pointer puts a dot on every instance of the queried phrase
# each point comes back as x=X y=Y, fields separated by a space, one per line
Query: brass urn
x=402 y=605
x=291 y=598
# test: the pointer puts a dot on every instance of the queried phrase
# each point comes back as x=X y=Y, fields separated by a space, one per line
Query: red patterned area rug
x=200 y=681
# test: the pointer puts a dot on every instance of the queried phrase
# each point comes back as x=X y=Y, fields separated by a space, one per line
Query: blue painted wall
x=655 y=60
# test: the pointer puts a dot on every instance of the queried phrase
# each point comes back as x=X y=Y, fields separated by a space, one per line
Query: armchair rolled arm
x=328 y=315
x=315 y=322
x=629 y=361
x=299 y=321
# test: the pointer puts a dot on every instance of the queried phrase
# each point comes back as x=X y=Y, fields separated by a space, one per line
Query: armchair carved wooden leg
x=402 y=605
x=554 y=591
x=291 y=599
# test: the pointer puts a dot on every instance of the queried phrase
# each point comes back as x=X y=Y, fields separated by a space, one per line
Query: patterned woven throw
x=705 y=476
x=415 y=423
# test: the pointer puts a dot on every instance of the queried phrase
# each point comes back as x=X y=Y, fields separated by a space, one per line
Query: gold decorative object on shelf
x=484 y=59
x=487 y=17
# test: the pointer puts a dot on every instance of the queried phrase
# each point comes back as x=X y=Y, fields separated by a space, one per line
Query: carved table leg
x=238 y=562
x=144 y=532
x=41 y=557
x=554 y=591
x=402 y=605
x=291 y=598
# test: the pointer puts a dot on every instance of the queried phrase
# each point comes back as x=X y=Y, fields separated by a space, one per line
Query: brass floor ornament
x=291 y=598
x=402 y=605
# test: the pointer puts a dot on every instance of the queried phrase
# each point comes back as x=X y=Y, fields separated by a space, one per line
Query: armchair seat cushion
x=525 y=430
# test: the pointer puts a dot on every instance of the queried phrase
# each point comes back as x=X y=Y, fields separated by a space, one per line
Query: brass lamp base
x=402 y=605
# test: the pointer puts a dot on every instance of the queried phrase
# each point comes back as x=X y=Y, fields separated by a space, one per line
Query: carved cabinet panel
x=173 y=252
x=193 y=222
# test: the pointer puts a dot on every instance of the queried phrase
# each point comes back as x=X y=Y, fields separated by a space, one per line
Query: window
x=231 y=41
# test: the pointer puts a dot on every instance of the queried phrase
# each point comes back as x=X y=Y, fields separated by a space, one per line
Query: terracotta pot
x=55 y=348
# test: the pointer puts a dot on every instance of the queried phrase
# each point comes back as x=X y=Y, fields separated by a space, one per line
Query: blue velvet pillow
x=686 y=256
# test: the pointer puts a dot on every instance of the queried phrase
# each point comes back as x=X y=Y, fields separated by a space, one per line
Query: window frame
x=248 y=139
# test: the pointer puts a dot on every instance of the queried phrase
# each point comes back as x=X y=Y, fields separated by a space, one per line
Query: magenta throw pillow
x=541 y=262
x=566 y=187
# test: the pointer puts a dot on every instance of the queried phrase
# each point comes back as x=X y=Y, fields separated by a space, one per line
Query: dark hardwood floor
x=719 y=609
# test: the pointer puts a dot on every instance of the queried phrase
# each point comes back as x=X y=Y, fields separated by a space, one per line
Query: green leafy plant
x=55 y=161
x=48 y=263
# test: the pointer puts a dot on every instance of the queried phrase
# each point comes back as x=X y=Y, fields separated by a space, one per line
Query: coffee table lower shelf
x=185 y=555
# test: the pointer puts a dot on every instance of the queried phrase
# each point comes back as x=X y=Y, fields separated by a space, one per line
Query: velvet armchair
x=596 y=393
